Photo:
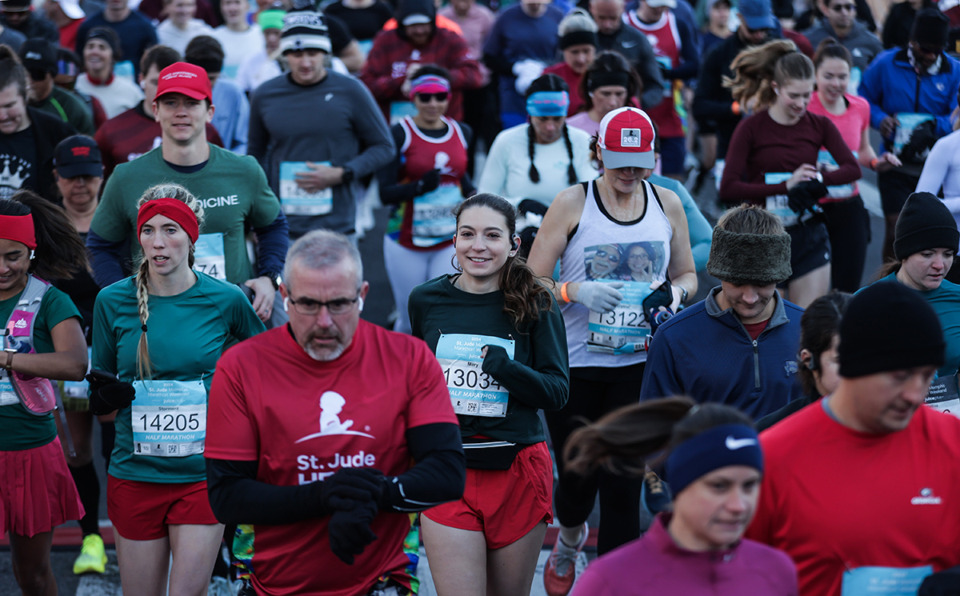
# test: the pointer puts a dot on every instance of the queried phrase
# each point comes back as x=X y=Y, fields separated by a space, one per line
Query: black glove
x=349 y=488
x=429 y=182
x=916 y=149
x=108 y=393
x=942 y=583
x=350 y=531
x=804 y=196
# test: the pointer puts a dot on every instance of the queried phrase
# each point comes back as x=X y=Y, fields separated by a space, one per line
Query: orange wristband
x=873 y=163
x=563 y=292
x=735 y=108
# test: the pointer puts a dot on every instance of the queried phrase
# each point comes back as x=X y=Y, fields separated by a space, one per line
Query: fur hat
x=749 y=258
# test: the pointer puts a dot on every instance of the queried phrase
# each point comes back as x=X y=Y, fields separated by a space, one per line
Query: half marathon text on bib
x=472 y=391
x=295 y=200
x=209 y=256
x=623 y=330
x=169 y=418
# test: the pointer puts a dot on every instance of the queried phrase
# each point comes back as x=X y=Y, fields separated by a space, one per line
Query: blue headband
x=548 y=103
x=718 y=447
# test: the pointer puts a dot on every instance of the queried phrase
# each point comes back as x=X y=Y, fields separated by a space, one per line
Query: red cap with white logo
x=626 y=138
x=188 y=79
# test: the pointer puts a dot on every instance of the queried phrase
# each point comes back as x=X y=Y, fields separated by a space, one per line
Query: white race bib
x=169 y=418
x=295 y=200
x=472 y=391
x=209 y=256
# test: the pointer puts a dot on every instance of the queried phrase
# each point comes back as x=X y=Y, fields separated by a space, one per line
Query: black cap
x=924 y=223
x=15 y=5
x=930 y=28
x=77 y=156
x=889 y=327
x=39 y=54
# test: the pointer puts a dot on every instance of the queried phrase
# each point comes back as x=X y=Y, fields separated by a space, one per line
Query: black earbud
x=813 y=363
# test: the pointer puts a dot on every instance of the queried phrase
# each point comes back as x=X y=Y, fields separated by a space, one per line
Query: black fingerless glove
x=108 y=393
x=805 y=195
x=429 y=182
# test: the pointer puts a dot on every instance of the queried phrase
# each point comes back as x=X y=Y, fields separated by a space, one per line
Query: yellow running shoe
x=92 y=557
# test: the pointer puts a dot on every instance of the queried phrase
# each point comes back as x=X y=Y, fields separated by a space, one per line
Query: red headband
x=175 y=210
x=18 y=228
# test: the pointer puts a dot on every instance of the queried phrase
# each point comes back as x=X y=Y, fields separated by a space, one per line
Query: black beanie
x=924 y=223
x=930 y=28
x=887 y=327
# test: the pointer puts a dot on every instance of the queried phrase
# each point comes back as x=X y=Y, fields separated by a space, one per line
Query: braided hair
x=549 y=82
x=160 y=191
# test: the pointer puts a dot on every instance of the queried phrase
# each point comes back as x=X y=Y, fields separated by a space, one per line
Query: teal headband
x=548 y=103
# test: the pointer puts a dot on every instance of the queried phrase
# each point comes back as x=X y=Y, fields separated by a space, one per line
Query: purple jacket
x=654 y=565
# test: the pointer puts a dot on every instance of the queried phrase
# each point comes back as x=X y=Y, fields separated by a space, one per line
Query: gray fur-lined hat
x=743 y=258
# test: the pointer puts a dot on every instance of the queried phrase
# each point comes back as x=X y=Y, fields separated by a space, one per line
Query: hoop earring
x=456 y=264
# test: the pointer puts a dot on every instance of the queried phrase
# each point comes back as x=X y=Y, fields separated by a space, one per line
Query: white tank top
x=607 y=250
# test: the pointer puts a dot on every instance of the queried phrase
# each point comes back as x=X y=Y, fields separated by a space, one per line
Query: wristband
x=8 y=365
x=873 y=163
x=735 y=107
x=563 y=292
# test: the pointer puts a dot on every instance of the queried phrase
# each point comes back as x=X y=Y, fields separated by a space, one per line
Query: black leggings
x=593 y=394
x=848 y=224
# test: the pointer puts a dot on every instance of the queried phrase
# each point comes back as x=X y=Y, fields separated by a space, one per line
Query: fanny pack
x=490 y=454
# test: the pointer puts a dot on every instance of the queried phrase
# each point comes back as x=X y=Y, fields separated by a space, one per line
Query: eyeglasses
x=426 y=97
x=843 y=7
x=339 y=306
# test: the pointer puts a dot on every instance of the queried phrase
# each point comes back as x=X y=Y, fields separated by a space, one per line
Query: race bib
x=779 y=205
x=472 y=391
x=400 y=110
x=826 y=163
x=888 y=581
x=902 y=146
x=7 y=395
x=209 y=256
x=295 y=200
x=944 y=395
x=433 y=218
x=623 y=330
x=169 y=418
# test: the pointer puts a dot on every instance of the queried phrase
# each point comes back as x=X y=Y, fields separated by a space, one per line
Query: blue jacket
x=706 y=353
x=891 y=85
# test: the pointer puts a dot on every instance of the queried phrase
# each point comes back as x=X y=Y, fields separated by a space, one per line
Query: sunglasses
x=426 y=97
x=844 y=7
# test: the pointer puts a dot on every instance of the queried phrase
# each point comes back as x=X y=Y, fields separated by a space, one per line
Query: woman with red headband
x=161 y=332
x=425 y=182
x=40 y=342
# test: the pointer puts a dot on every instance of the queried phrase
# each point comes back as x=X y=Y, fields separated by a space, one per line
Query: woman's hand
x=802 y=174
x=887 y=161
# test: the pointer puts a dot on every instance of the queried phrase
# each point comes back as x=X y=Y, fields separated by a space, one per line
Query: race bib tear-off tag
x=472 y=391
x=169 y=418
x=295 y=200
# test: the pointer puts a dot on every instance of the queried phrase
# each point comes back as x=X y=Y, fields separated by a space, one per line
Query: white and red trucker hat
x=626 y=138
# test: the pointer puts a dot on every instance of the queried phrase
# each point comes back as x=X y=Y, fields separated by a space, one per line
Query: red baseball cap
x=188 y=79
x=626 y=138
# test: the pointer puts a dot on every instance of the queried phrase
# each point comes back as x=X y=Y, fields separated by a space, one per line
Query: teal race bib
x=209 y=256
x=826 y=163
x=472 y=391
x=295 y=200
x=779 y=205
x=888 y=581
x=433 y=218
x=169 y=418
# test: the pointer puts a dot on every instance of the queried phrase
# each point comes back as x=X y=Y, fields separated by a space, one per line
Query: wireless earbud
x=360 y=304
x=286 y=304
